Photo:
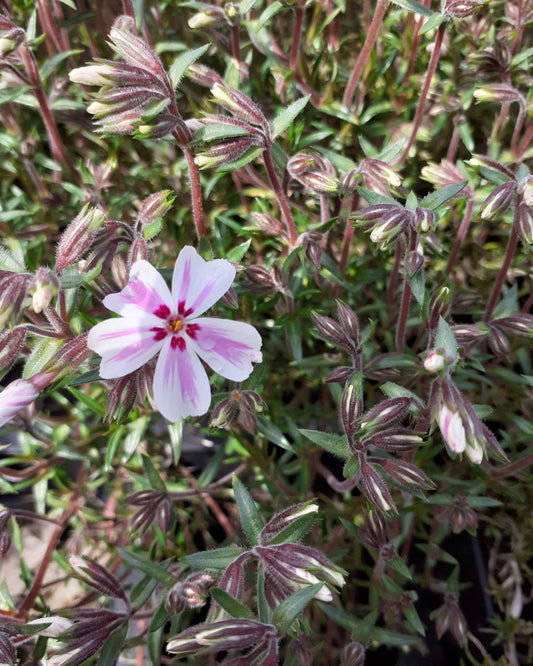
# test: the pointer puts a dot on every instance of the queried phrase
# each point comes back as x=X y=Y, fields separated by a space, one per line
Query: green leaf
x=55 y=61
x=294 y=532
x=70 y=277
x=400 y=567
x=433 y=22
x=435 y=199
x=95 y=407
x=413 y=620
x=151 y=229
x=155 y=571
x=291 y=608
x=111 y=649
x=374 y=198
x=250 y=519
x=8 y=262
x=175 y=431
x=287 y=116
x=416 y=282
x=182 y=63
x=159 y=618
x=445 y=339
x=249 y=155
x=41 y=353
x=231 y=605
x=112 y=446
x=351 y=467
x=219 y=558
x=273 y=434
x=414 y=6
x=218 y=132
x=237 y=253
x=85 y=378
x=335 y=444
x=294 y=335
x=392 y=390
x=156 y=482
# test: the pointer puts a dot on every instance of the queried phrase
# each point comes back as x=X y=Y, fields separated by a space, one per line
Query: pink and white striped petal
x=181 y=386
x=199 y=284
x=124 y=344
x=228 y=347
x=16 y=395
x=145 y=293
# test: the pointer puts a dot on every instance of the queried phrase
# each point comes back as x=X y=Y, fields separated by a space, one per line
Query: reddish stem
x=196 y=192
x=452 y=148
x=296 y=36
x=371 y=36
x=286 y=215
x=525 y=142
x=461 y=234
x=406 y=298
x=425 y=89
x=509 y=252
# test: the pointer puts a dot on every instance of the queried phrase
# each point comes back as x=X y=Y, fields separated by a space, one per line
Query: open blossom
x=154 y=320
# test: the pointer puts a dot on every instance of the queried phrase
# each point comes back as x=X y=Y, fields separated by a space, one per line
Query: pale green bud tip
x=92 y=75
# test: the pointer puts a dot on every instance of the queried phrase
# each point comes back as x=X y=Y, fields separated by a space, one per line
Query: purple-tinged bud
x=210 y=637
x=450 y=618
x=407 y=475
x=414 y=261
x=162 y=125
x=525 y=224
x=232 y=582
x=13 y=290
x=203 y=75
x=15 y=397
x=225 y=413
x=259 y=279
x=349 y=182
x=466 y=334
x=155 y=507
x=385 y=414
x=138 y=251
x=11 y=36
x=437 y=360
x=374 y=531
x=439 y=306
x=97 y=577
x=459 y=9
x=120 y=398
x=498 y=342
x=377 y=212
x=526 y=190
x=519 y=325
x=71 y=355
x=498 y=92
x=374 y=488
x=232 y=13
x=350 y=408
x=226 y=151
x=498 y=200
x=353 y=654
x=379 y=170
x=155 y=207
x=424 y=220
x=43 y=287
x=443 y=174
x=8 y=653
x=268 y=223
x=207 y=17
x=135 y=52
x=10 y=345
x=349 y=322
x=5 y=534
x=329 y=330
x=396 y=440
x=285 y=518
x=486 y=161
x=78 y=236
x=340 y=375
x=238 y=104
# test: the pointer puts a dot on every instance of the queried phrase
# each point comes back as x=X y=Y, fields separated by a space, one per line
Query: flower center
x=175 y=325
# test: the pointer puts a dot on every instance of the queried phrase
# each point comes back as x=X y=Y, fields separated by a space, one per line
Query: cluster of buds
x=377 y=176
x=314 y=172
x=155 y=507
x=241 y=408
x=224 y=139
x=130 y=88
x=461 y=428
x=344 y=332
x=311 y=243
x=353 y=654
x=449 y=617
x=259 y=639
x=460 y=515
x=388 y=221
x=189 y=593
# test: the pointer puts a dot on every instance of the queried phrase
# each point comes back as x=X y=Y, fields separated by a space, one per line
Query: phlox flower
x=155 y=320
x=17 y=395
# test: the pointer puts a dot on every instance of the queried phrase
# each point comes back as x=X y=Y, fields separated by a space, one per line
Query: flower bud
x=329 y=330
x=374 y=489
x=43 y=288
x=120 y=398
x=414 y=261
x=11 y=36
x=213 y=637
x=498 y=92
x=525 y=224
x=14 y=397
x=203 y=75
x=459 y=9
x=498 y=342
x=53 y=625
x=93 y=75
x=450 y=618
x=519 y=325
x=498 y=200
x=10 y=346
x=386 y=414
x=268 y=223
x=424 y=219
x=439 y=305
x=5 y=534
x=406 y=474
x=340 y=375
x=486 y=161
x=238 y=104
x=285 y=518
x=78 y=236
x=13 y=289
x=353 y=654
x=374 y=531
x=452 y=429
x=437 y=360
x=379 y=170
x=259 y=279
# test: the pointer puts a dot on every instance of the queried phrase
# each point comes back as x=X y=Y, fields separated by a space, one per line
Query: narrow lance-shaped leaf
x=286 y=117
x=249 y=515
x=182 y=63
x=291 y=608
x=435 y=199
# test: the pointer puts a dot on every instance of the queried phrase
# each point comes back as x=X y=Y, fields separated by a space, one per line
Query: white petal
x=16 y=395
x=229 y=347
x=199 y=284
x=181 y=386
x=125 y=344
x=145 y=293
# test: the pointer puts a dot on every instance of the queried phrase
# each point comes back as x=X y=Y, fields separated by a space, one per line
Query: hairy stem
x=425 y=89
x=196 y=192
x=509 y=252
x=296 y=35
x=461 y=234
x=371 y=36
x=286 y=215
x=406 y=298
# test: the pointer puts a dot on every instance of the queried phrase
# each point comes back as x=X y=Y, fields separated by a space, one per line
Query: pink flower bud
x=452 y=429
x=14 y=397
x=78 y=236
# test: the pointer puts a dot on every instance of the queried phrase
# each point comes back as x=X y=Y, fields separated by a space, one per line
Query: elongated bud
x=498 y=92
x=155 y=207
x=498 y=200
x=466 y=334
x=135 y=52
x=396 y=440
x=379 y=170
x=5 y=534
x=120 y=398
x=407 y=475
x=452 y=429
x=340 y=375
x=349 y=322
x=238 y=104
x=526 y=190
x=439 y=305
x=386 y=414
x=15 y=397
x=450 y=618
x=43 y=287
x=285 y=518
x=414 y=261
x=377 y=212
x=519 y=325
x=52 y=626
x=350 y=406
x=525 y=224
x=11 y=36
x=424 y=219
x=374 y=531
x=10 y=346
x=498 y=342
x=203 y=75
x=486 y=161
x=97 y=577
x=329 y=330
x=259 y=279
x=375 y=489
x=268 y=223
x=226 y=151
x=13 y=289
x=78 y=236
x=353 y=654
x=219 y=636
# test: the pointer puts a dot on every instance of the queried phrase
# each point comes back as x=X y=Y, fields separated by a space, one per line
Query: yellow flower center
x=175 y=325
